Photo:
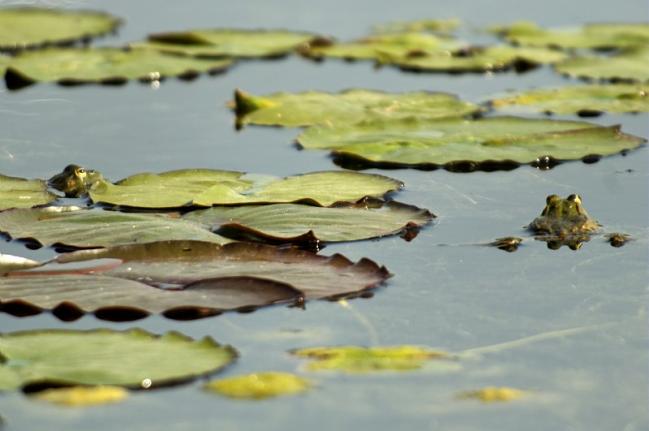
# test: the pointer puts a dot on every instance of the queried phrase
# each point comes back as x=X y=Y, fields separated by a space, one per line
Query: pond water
x=588 y=365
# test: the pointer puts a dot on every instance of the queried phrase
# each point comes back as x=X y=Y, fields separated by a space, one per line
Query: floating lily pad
x=228 y=42
x=28 y=27
x=348 y=107
x=202 y=187
x=134 y=359
x=379 y=46
x=89 y=229
x=478 y=59
x=440 y=26
x=83 y=396
x=630 y=65
x=103 y=65
x=186 y=279
x=493 y=394
x=10 y=263
x=584 y=100
x=286 y=222
x=590 y=36
x=353 y=359
x=23 y=193
x=259 y=386
x=498 y=142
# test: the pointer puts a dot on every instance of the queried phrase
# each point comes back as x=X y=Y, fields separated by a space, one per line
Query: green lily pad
x=286 y=222
x=382 y=45
x=28 y=27
x=259 y=386
x=90 y=229
x=590 y=36
x=584 y=100
x=23 y=193
x=630 y=65
x=134 y=359
x=184 y=279
x=439 y=26
x=478 y=59
x=228 y=42
x=202 y=187
x=348 y=107
x=353 y=359
x=489 y=143
x=103 y=65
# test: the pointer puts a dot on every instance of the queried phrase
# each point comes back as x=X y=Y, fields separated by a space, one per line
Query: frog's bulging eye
x=552 y=198
x=81 y=171
x=574 y=198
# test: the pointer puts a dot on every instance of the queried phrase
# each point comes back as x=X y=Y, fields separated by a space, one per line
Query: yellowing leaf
x=259 y=385
x=81 y=396
x=493 y=394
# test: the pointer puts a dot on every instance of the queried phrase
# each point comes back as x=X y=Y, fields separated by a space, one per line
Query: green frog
x=75 y=181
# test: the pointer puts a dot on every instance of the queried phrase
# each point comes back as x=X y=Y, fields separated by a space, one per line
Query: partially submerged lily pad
x=258 y=386
x=458 y=144
x=204 y=188
x=103 y=65
x=89 y=229
x=186 y=279
x=82 y=396
x=348 y=107
x=493 y=394
x=286 y=223
x=586 y=100
x=23 y=193
x=439 y=26
x=30 y=27
x=631 y=65
x=228 y=42
x=592 y=36
x=134 y=358
x=353 y=359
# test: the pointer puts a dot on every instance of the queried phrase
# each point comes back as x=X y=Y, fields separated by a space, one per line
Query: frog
x=75 y=181
x=563 y=221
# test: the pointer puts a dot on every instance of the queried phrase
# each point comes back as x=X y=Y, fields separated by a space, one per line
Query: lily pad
x=439 y=26
x=586 y=100
x=82 y=396
x=285 y=222
x=590 y=36
x=457 y=144
x=134 y=359
x=23 y=193
x=348 y=107
x=103 y=65
x=630 y=65
x=90 y=229
x=30 y=27
x=382 y=45
x=204 y=188
x=493 y=394
x=10 y=263
x=186 y=279
x=353 y=359
x=259 y=386
x=228 y=42
x=478 y=59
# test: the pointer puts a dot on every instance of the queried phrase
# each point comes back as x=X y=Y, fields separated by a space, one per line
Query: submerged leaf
x=441 y=26
x=493 y=394
x=203 y=187
x=187 y=279
x=89 y=229
x=629 y=65
x=348 y=107
x=23 y=193
x=258 y=386
x=583 y=100
x=284 y=222
x=103 y=65
x=228 y=42
x=461 y=144
x=134 y=358
x=30 y=27
x=353 y=359
x=593 y=36
x=83 y=396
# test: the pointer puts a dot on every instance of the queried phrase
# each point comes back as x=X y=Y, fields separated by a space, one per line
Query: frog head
x=75 y=181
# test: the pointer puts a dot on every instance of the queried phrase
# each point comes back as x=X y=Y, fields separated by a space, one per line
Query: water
x=454 y=297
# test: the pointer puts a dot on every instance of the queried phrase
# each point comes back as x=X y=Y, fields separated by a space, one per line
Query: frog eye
x=574 y=198
x=552 y=198
x=80 y=171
